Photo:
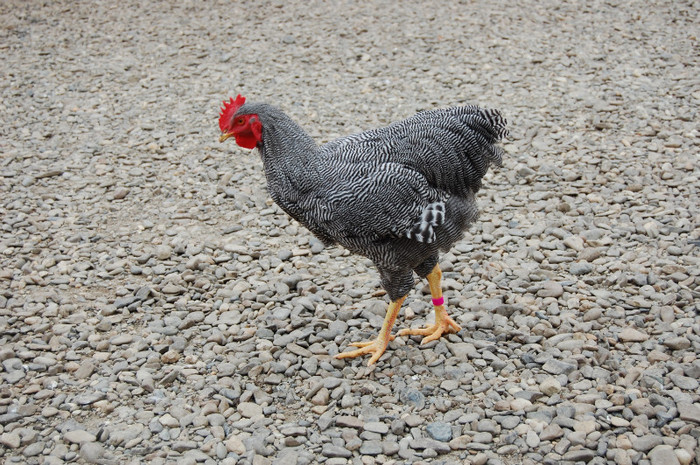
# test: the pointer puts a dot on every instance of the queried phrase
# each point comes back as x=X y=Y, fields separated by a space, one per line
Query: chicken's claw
x=375 y=347
x=443 y=324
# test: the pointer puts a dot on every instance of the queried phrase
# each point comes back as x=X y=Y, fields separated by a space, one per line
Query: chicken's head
x=245 y=128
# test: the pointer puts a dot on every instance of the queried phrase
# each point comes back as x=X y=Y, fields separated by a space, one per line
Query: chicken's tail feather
x=423 y=230
x=497 y=122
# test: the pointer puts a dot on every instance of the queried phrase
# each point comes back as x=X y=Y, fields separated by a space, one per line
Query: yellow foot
x=443 y=324
x=376 y=348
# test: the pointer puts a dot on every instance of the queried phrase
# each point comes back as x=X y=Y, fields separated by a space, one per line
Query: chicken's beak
x=225 y=136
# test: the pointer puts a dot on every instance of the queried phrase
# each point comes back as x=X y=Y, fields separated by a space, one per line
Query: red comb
x=228 y=110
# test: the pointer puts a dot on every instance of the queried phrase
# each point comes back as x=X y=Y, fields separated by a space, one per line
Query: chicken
x=397 y=195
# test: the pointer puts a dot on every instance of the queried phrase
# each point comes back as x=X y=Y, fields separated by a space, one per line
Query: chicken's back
x=452 y=147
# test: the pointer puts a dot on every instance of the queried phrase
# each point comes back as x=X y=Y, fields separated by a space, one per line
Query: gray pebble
x=689 y=412
x=414 y=397
x=684 y=382
x=92 y=452
x=579 y=455
x=558 y=367
x=371 y=448
x=677 y=343
x=439 y=431
x=11 y=440
x=33 y=449
x=663 y=454
x=376 y=427
x=580 y=268
x=646 y=443
x=330 y=450
x=79 y=436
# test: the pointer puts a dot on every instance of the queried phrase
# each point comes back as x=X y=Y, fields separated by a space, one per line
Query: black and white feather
x=397 y=195
x=432 y=216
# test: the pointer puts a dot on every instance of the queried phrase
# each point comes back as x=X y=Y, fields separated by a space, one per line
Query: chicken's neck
x=289 y=157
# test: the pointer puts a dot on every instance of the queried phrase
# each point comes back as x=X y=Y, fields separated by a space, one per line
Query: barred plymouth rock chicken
x=397 y=195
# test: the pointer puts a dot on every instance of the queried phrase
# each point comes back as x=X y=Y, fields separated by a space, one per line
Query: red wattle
x=247 y=141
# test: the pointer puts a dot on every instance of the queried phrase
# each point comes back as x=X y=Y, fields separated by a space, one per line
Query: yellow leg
x=378 y=346
x=443 y=322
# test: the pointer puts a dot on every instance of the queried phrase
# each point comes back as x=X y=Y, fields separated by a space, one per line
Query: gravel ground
x=156 y=307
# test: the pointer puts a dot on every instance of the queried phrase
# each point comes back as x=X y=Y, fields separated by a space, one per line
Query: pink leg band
x=439 y=301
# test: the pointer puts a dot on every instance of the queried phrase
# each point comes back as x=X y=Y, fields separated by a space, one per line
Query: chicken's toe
x=443 y=324
x=375 y=347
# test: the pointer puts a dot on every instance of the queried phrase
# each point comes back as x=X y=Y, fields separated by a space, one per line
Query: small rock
x=415 y=397
x=621 y=457
x=558 y=367
x=683 y=456
x=170 y=356
x=463 y=350
x=330 y=450
x=519 y=404
x=33 y=449
x=168 y=421
x=585 y=426
x=322 y=397
x=122 y=339
x=79 y=436
x=646 y=443
x=88 y=398
x=10 y=440
x=632 y=335
x=487 y=425
x=663 y=454
x=413 y=420
x=579 y=455
x=623 y=442
x=427 y=443
x=550 y=386
x=531 y=439
x=553 y=431
x=439 y=431
x=172 y=289
x=689 y=412
x=250 y=410
x=460 y=442
x=642 y=406
x=163 y=252
x=618 y=421
x=574 y=242
x=580 y=268
x=349 y=422
x=551 y=289
x=390 y=448
x=92 y=452
x=483 y=438
x=235 y=445
x=509 y=421
x=119 y=193
x=677 y=343
x=684 y=382
x=376 y=427
x=371 y=448
x=524 y=171
x=590 y=254
x=122 y=302
x=658 y=356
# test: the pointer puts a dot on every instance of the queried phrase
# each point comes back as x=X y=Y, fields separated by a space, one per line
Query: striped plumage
x=396 y=195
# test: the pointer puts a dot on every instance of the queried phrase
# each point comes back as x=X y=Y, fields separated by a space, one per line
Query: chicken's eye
x=240 y=121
